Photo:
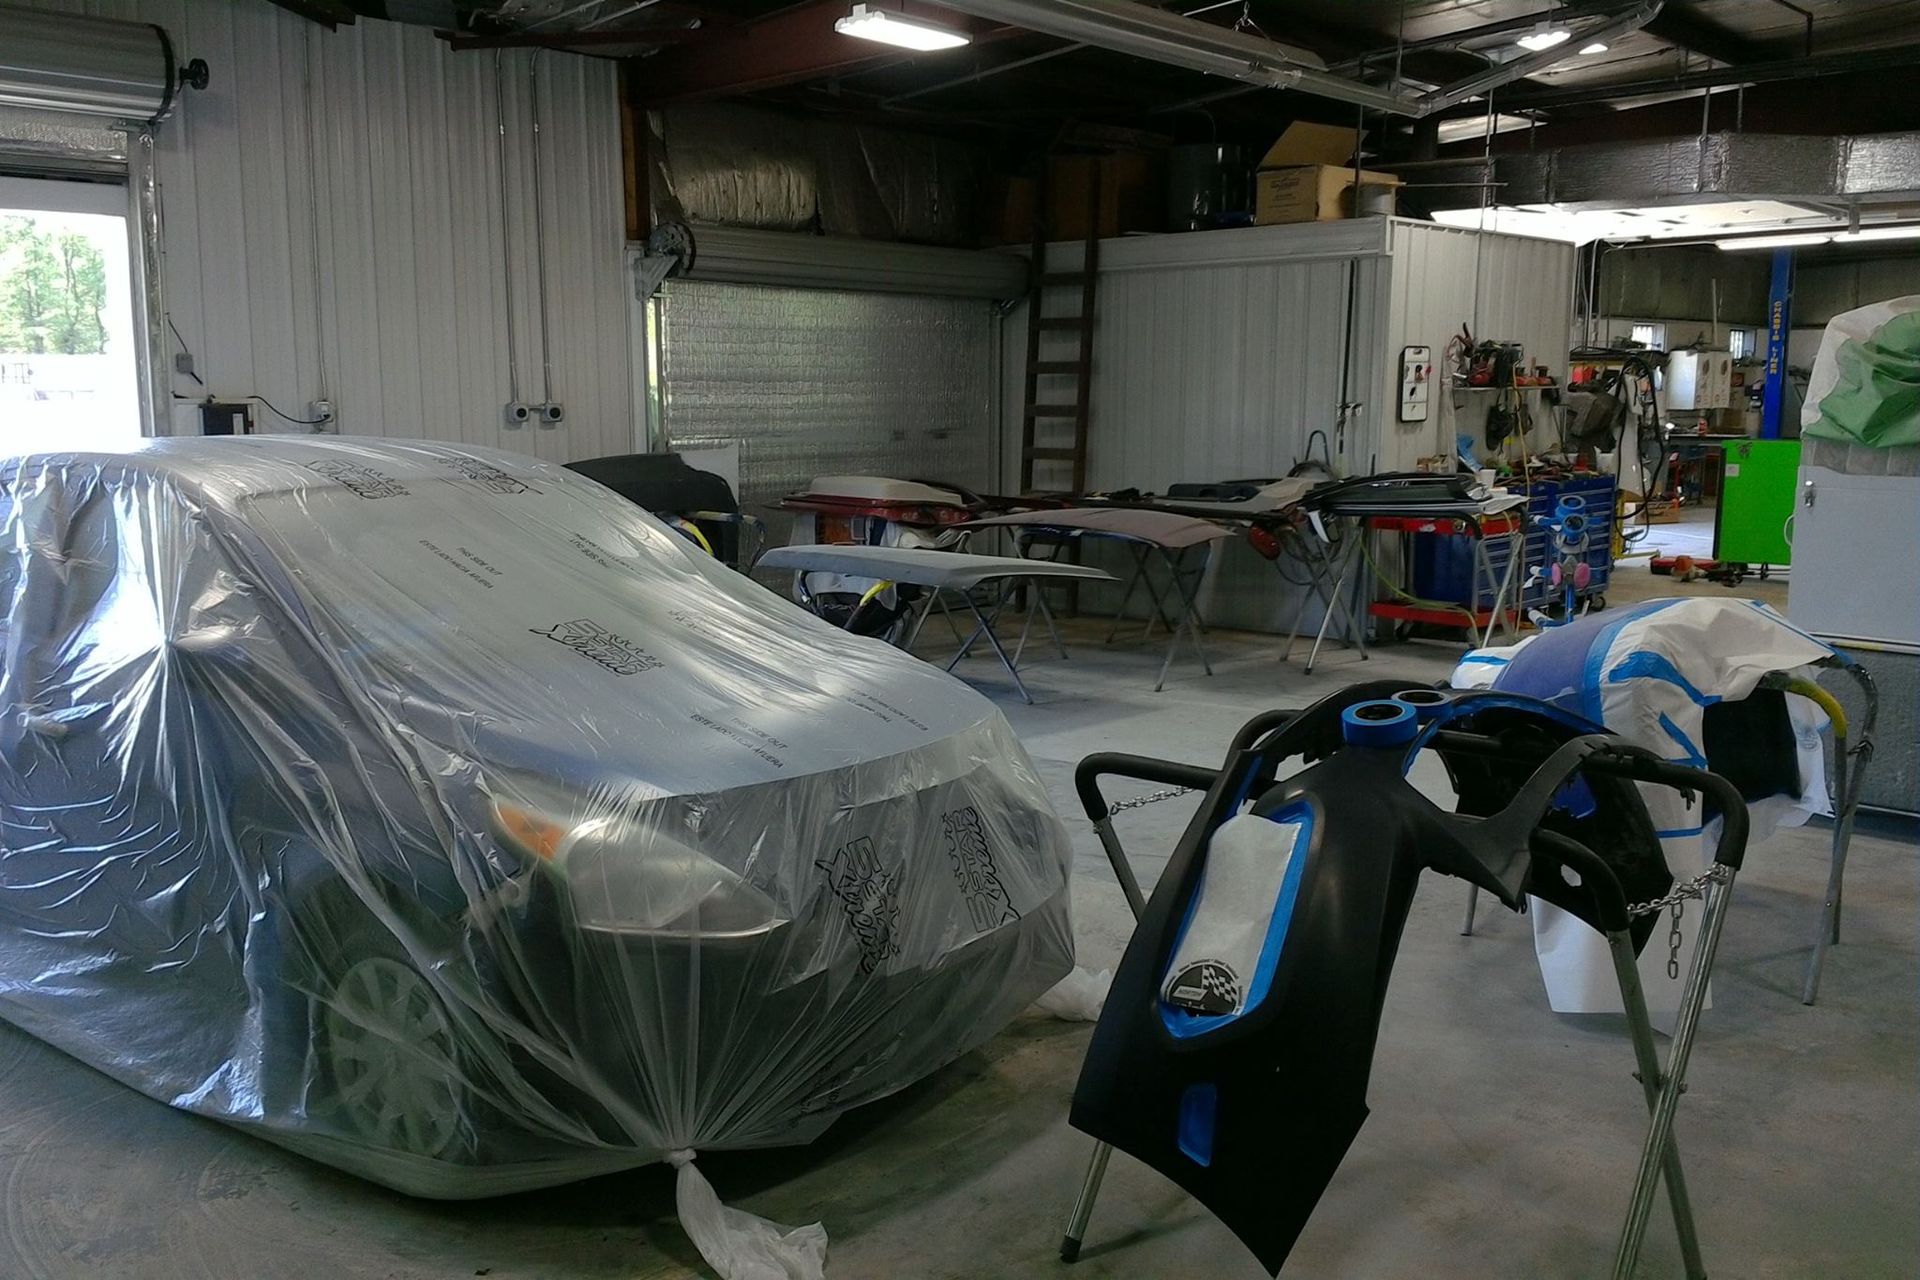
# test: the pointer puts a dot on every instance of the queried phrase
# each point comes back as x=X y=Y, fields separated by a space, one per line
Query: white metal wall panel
x=1511 y=288
x=825 y=382
x=1216 y=355
x=411 y=315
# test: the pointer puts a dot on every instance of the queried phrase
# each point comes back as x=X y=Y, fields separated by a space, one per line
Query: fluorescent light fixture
x=869 y=23
x=1776 y=242
x=1878 y=233
x=1544 y=37
x=1598 y=46
x=1472 y=128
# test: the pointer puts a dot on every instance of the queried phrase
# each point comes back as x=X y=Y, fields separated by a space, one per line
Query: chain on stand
x=1152 y=797
x=1675 y=901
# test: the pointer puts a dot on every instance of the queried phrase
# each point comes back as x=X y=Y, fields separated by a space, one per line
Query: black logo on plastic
x=597 y=644
x=359 y=479
x=870 y=897
x=974 y=870
x=489 y=477
x=1205 y=986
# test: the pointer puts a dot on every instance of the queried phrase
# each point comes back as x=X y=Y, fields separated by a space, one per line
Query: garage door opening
x=68 y=374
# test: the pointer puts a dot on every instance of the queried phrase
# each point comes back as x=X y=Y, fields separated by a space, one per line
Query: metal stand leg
x=1046 y=613
x=1126 y=595
x=1327 y=582
x=920 y=620
x=1161 y=614
x=1026 y=626
x=1122 y=869
x=1188 y=610
x=1336 y=603
x=986 y=629
x=1097 y=1165
x=1640 y=1026
x=1659 y=1153
x=1083 y=1204
x=1473 y=901
x=1848 y=784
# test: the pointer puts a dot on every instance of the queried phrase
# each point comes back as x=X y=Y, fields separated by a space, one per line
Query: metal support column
x=1779 y=315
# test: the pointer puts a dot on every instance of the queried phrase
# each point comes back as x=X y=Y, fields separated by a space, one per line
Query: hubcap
x=391 y=1050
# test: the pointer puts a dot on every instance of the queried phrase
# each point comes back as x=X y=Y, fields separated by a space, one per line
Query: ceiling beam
x=1899 y=57
x=634 y=37
x=328 y=13
x=1684 y=31
x=788 y=47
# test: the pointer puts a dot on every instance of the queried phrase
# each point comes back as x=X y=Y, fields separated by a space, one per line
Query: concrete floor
x=1502 y=1139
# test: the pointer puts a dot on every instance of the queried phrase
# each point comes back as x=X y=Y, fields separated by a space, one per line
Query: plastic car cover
x=438 y=814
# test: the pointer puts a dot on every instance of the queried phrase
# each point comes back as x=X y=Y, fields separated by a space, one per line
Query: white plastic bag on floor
x=735 y=1243
x=1078 y=997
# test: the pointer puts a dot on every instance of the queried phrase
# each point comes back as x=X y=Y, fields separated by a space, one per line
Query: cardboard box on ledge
x=1304 y=177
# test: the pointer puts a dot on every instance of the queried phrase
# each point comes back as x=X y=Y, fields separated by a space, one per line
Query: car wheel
x=390 y=1052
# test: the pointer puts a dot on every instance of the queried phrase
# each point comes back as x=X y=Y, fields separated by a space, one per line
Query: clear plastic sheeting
x=438 y=814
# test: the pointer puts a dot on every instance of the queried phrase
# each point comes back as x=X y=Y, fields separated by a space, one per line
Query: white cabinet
x=1852 y=539
x=1699 y=380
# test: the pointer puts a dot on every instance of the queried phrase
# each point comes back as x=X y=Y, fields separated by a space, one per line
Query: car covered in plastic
x=439 y=814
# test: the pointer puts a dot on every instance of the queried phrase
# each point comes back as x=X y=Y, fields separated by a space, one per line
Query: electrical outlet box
x=552 y=414
x=517 y=414
x=320 y=413
x=183 y=363
x=1416 y=383
x=226 y=418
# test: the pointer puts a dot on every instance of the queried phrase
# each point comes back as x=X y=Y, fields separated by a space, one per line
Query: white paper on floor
x=1078 y=997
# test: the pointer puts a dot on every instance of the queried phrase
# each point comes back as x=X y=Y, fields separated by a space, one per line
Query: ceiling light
x=1598 y=46
x=1776 y=242
x=869 y=23
x=1878 y=233
x=1544 y=37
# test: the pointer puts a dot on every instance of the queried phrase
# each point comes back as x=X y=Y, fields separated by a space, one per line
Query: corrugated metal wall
x=1511 y=288
x=1216 y=354
x=815 y=382
x=411 y=317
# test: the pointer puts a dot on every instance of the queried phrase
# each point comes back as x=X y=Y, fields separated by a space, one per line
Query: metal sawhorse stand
x=1330 y=564
x=1660 y=1154
x=1851 y=755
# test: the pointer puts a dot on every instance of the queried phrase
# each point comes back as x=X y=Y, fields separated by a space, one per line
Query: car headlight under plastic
x=623 y=875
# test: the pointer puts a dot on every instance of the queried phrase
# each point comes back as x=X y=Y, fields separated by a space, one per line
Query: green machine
x=1756 y=502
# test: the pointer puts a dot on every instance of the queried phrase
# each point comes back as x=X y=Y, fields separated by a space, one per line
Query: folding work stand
x=939 y=573
x=1330 y=563
x=1177 y=607
x=1151 y=537
x=1660 y=1154
x=984 y=627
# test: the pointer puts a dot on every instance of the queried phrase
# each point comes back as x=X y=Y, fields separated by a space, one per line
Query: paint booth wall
x=1216 y=355
x=373 y=146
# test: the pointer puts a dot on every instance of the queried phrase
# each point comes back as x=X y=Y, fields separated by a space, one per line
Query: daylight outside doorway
x=68 y=375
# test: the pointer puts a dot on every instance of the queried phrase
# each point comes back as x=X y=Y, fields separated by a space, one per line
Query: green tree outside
x=53 y=288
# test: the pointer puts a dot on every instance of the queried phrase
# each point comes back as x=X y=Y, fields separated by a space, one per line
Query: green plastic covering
x=1876 y=400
